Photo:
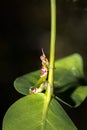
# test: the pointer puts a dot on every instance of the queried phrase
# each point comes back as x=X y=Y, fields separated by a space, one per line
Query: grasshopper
x=42 y=82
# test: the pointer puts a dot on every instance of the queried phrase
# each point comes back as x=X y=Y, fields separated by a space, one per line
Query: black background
x=25 y=29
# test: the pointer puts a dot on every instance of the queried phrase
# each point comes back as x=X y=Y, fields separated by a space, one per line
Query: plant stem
x=52 y=49
x=49 y=90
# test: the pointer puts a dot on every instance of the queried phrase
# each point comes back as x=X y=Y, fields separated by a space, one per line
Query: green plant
x=39 y=109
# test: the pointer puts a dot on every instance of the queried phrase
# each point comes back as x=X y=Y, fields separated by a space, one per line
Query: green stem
x=49 y=90
x=52 y=49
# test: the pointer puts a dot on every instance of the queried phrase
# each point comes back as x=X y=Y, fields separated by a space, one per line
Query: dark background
x=25 y=29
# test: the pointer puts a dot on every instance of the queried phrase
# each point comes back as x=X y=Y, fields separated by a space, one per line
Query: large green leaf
x=70 y=86
x=28 y=112
x=67 y=78
x=23 y=83
x=68 y=72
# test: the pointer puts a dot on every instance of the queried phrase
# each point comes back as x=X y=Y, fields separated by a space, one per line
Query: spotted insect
x=42 y=82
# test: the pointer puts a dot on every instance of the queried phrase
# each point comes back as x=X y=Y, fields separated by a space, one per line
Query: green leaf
x=28 y=112
x=68 y=72
x=68 y=77
x=73 y=97
x=71 y=77
x=24 y=83
x=79 y=95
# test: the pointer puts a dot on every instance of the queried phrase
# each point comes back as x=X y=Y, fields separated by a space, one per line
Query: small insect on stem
x=43 y=77
x=44 y=59
x=45 y=64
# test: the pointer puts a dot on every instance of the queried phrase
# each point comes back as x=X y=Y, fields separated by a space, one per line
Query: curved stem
x=52 y=49
x=49 y=90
